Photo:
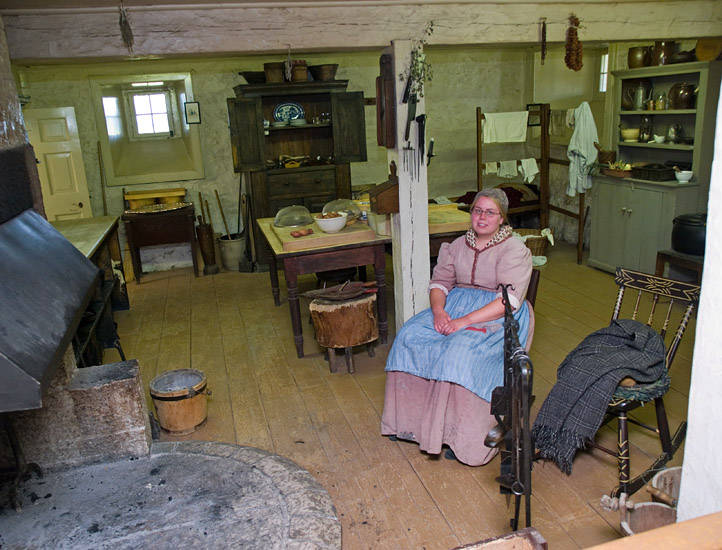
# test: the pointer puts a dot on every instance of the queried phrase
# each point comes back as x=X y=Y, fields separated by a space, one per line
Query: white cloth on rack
x=570 y=118
x=507 y=169
x=581 y=151
x=505 y=127
x=491 y=167
x=529 y=169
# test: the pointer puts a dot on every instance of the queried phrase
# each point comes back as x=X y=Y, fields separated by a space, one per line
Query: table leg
x=273 y=273
x=380 y=270
x=659 y=268
x=293 y=304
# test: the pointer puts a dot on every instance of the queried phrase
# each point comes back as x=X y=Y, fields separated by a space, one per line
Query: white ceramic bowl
x=683 y=176
x=331 y=225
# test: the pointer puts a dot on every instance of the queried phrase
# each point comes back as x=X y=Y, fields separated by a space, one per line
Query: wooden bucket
x=180 y=399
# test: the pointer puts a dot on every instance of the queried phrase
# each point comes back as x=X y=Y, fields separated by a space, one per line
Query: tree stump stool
x=345 y=324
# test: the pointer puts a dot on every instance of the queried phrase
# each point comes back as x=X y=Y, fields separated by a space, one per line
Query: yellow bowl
x=630 y=134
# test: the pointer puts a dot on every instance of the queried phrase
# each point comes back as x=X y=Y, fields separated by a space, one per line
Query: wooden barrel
x=180 y=399
x=345 y=324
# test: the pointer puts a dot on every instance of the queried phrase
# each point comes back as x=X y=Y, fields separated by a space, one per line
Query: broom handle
x=223 y=216
x=200 y=200
x=208 y=211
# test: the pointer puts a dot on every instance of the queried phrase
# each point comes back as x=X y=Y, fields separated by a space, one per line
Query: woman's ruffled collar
x=503 y=233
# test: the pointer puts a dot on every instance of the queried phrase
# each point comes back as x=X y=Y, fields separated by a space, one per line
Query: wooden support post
x=410 y=227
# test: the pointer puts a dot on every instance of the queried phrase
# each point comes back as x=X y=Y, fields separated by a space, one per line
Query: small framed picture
x=193 y=112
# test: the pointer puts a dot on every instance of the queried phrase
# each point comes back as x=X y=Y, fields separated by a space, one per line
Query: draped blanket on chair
x=574 y=409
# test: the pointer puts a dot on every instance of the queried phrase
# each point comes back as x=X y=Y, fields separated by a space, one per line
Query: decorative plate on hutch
x=288 y=110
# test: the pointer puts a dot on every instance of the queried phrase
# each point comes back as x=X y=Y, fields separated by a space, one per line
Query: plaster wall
x=701 y=489
x=464 y=77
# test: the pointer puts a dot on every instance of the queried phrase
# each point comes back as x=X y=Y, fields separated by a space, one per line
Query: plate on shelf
x=288 y=110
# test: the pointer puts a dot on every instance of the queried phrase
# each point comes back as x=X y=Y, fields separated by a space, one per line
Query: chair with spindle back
x=629 y=395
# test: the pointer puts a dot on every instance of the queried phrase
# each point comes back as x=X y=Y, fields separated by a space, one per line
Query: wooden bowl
x=324 y=72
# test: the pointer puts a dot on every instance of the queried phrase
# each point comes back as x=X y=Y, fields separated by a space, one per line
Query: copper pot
x=681 y=96
x=640 y=56
x=663 y=51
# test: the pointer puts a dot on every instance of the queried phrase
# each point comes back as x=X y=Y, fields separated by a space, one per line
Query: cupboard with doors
x=295 y=142
x=631 y=219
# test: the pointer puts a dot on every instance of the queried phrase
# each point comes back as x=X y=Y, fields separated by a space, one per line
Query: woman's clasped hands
x=444 y=324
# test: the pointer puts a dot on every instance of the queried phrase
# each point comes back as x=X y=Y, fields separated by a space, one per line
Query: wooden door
x=53 y=133
x=644 y=212
x=349 y=127
x=608 y=231
x=246 y=124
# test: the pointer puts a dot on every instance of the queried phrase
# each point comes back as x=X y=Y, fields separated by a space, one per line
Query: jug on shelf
x=638 y=97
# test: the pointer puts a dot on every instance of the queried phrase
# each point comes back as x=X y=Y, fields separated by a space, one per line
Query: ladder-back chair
x=629 y=395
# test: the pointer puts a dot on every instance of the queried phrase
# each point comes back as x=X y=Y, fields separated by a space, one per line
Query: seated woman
x=446 y=360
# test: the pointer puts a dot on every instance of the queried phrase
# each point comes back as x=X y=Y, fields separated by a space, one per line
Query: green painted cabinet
x=695 y=120
x=632 y=219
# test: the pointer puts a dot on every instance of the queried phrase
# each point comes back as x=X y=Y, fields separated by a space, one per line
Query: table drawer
x=301 y=184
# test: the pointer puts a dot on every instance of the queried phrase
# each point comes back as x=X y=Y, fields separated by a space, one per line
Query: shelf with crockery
x=654 y=145
x=688 y=126
x=298 y=126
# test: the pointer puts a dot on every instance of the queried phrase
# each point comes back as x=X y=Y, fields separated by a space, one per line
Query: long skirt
x=438 y=412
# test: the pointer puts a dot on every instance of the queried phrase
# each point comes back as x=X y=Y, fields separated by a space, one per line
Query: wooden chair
x=630 y=395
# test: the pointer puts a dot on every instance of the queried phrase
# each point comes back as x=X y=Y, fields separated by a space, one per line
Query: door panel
x=247 y=138
x=349 y=126
x=53 y=133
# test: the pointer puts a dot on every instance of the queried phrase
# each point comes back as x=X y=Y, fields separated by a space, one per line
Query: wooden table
x=685 y=261
x=322 y=259
x=166 y=227
x=97 y=238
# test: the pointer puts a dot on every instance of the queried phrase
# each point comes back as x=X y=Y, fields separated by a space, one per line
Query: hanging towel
x=491 y=167
x=581 y=152
x=570 y=118
x=529 y=169
x=507 y=169
x=505 y=127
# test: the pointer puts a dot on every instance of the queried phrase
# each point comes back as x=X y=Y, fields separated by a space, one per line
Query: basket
x=537 y=244
x=617 y=173
x=653 y=172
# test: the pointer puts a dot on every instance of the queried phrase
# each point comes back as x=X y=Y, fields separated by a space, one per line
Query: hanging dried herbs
x=543 y=39
x=573 y=56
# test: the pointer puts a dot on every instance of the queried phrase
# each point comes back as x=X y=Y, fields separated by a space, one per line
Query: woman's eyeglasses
x=488 y=213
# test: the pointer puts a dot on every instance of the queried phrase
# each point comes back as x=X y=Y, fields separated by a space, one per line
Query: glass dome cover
x=292 y=216
x=353 y=212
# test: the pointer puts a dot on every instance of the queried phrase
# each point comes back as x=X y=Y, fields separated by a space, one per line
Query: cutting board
x=355 y=233
x=447 y=218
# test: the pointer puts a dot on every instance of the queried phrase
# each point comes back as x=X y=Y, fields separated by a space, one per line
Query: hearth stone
x=94 y=414
x=183 y=495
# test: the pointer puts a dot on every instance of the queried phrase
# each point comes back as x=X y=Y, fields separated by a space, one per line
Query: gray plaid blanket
x=574 y=409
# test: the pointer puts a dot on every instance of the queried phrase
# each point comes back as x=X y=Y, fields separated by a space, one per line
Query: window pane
x=157 y=103
x=114 y=127
x=145 y=124
x=160 y=123
x=141 y=104
x=110 y=106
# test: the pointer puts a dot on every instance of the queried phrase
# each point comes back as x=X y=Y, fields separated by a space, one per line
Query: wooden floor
x=387 y=494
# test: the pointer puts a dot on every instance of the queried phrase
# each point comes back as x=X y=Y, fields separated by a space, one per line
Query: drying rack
x=539 y=115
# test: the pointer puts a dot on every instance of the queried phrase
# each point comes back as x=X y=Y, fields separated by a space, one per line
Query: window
x=111 y=109
x=603 y=72
x=151 y=112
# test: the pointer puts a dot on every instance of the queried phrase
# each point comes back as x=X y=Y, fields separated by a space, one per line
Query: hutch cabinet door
x=608 y=226
x=349 y=127
x=246 y=119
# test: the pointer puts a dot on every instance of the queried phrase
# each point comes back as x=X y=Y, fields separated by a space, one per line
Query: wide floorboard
x=388 y=494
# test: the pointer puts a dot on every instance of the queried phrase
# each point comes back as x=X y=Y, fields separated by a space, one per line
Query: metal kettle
x=638 y=97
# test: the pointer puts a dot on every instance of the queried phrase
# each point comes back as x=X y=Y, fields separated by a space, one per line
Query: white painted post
x=410 y=227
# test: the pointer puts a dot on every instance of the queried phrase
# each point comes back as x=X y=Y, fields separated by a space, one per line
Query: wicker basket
x=537 y=244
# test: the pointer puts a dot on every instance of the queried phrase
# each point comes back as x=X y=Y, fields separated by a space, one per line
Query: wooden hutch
x=333 y=136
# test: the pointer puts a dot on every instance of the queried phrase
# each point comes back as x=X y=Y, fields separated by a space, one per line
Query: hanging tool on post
x=430 y=153
x=421 y=128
